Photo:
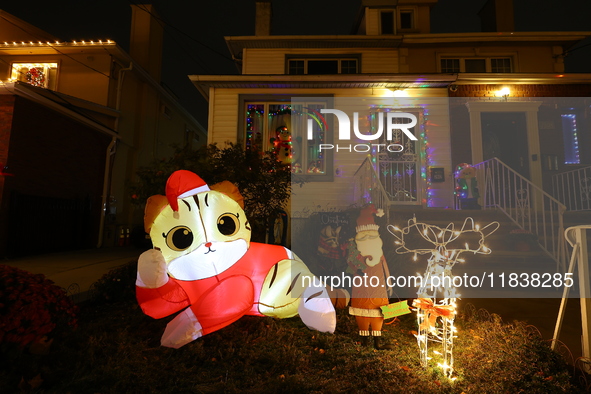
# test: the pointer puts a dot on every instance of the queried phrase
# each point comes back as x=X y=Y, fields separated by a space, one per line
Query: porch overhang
x=237 y=44
x=523 y=78
x=204 y=83
x=82 y=111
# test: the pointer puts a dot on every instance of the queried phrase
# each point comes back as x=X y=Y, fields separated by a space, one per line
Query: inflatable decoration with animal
x=204 y=265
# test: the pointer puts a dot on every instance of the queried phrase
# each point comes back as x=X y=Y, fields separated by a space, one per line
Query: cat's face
x=207 y=235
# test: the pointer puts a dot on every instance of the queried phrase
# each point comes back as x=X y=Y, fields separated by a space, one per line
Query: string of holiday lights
x=436 y=318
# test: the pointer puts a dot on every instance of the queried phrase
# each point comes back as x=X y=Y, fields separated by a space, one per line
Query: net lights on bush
x=436 y=302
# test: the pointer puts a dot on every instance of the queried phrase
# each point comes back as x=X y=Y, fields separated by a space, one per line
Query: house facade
x=77 y=119
x=390 y=67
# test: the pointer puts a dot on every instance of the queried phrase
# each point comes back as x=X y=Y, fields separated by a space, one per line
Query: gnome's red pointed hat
x=181 y=184
x=366 y=221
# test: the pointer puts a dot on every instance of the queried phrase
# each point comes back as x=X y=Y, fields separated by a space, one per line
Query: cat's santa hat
x=181 y=184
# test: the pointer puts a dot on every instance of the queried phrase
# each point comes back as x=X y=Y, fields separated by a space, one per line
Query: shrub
x=264 y=182
x=31 y=307
x=116 y=285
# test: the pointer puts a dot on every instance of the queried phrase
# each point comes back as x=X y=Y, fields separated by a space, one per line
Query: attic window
x=43 y=75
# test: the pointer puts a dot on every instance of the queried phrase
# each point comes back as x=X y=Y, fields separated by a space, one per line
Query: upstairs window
x=43 y=75
x=387 y=22
x=500 y=65
x=406 y=19
x=322 y=66
x=476 y=65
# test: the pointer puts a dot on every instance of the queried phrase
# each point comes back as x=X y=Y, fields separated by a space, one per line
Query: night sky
x=194 y=42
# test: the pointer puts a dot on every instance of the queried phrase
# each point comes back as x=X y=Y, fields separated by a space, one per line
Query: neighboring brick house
x=77 y=119
x=448 y=81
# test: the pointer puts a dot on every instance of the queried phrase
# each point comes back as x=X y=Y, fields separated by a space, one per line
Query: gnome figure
x=369 y=292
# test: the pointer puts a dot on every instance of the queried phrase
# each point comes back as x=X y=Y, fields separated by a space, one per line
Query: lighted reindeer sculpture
x=436 y=302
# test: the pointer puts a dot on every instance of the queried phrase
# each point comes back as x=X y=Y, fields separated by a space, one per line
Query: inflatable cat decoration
x=204 y=265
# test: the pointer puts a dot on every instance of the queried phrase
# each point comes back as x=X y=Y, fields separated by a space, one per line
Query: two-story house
x=392 y=62
x=77 y=119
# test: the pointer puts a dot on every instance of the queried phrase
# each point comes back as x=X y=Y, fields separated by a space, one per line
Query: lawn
x=116 y=349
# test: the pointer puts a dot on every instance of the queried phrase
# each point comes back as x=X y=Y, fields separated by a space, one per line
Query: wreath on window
x=35 y=77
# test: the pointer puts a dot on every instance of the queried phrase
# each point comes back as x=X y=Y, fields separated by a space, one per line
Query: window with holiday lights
x=43 y=75
x=570 y=138
x=281 y=128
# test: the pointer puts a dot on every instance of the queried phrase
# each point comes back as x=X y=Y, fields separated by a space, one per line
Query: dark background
x=195 y=30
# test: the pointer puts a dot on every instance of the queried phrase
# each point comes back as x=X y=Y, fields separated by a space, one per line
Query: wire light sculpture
x=437 y=295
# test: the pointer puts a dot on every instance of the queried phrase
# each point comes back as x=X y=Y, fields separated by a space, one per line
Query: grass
x=116 y=349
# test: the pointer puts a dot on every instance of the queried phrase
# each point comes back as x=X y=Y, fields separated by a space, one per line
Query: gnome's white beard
x=372 y=247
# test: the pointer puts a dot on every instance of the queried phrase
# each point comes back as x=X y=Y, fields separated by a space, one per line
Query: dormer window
x=43 y=75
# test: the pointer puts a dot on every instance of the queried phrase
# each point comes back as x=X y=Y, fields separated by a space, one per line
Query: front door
x=400 y=171
x=504 y=136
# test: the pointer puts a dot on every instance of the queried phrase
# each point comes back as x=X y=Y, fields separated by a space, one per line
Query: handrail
x=573 y=188
x=368 y=188
x=527 y=205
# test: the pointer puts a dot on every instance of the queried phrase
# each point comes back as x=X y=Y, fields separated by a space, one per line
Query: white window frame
x=50 y=76
x=487 y=58
x=339 y=59
x=414 y=18
x=268 y=132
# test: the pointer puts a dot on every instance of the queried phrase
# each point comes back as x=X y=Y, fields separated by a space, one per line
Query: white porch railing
x=573 y=189
x=577 y=238
x=526 y=204
x=368 y=188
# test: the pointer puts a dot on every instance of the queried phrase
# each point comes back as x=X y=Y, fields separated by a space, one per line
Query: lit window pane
x=571 y=139
x=254 y=126
x=37 y=74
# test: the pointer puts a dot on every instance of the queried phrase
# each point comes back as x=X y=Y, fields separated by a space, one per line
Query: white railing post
x=577 y=238
x=573 y=188
x=367 y=182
